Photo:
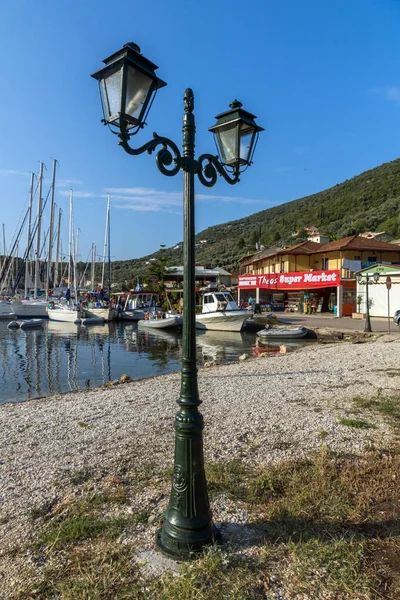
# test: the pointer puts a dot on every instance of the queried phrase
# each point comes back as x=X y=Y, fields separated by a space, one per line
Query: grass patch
x=356 y=423
x=327 y=527
x=382 y=404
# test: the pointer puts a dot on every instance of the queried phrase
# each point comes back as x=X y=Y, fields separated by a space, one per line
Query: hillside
x=368 y=202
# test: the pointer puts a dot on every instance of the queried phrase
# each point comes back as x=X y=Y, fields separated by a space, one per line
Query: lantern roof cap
x=236 y=113
x=131 y=53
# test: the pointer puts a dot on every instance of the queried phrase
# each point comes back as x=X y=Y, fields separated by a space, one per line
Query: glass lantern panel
x=138 y=87
x=227 y=140
x=112 y=93
x=246 y=138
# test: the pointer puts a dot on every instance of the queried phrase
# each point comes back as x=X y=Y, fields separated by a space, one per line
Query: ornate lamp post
x=128 y=84
x=364 y=280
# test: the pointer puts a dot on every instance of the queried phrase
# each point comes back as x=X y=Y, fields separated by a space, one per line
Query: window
x=325 y=262
x=372 y=259
x=357 y=257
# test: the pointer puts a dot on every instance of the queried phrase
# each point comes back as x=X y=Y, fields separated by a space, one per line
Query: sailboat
x=36 y=307
x=104 y=312
x=67 y=311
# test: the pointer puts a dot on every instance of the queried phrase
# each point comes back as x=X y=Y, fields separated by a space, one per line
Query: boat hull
x=64 y=315
x=222 y=320
x=32 y=323
x=167 y=323
x=130 y=315
x=10 y=315
x=30 y=309
x=108 y=314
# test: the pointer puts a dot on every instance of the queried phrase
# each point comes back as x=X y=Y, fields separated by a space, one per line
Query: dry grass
x=329 y=529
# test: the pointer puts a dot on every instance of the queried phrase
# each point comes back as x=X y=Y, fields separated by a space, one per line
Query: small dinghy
x=13 y=325
x=277 y=333
x=32 y=323
x=93 y=321
x=165 y=321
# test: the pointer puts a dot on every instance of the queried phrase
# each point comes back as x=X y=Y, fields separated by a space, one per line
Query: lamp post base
x=183 y=545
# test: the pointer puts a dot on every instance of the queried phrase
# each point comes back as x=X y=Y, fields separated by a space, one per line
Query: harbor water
x=63 y=357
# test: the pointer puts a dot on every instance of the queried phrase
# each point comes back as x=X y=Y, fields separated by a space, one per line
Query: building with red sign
x=311 y=276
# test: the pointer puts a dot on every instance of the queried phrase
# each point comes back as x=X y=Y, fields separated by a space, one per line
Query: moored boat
x=166 y=321
x=93 y=321
x=221 y=313
x=6 y=311
x=135 y=305
x=277 y=333
x=69 y=314
x=31 y=323
x=29 y=308
x=104 y=312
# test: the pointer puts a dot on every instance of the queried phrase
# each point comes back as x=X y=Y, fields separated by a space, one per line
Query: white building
x=382 y=302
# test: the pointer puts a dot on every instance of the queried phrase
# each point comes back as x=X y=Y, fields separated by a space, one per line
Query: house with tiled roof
x=327 y=271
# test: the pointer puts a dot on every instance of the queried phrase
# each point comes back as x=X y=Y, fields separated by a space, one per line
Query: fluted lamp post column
x=128 y=84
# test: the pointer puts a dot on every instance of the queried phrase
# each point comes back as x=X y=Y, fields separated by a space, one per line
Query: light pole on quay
x=364 y=279
x=128 y=84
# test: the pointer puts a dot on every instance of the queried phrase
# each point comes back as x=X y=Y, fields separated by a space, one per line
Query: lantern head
x=236 y=134
x=128 y=84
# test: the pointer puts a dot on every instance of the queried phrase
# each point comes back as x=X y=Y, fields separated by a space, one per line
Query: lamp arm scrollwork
x=208 y=173
x=167 y=155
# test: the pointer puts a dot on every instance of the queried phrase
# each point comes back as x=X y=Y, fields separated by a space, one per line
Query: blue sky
x=322 y=78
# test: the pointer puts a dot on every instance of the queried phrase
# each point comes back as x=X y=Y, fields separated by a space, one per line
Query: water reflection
x=65 y=357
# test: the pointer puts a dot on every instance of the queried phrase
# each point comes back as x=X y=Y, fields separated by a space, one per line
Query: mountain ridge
x=369 y=201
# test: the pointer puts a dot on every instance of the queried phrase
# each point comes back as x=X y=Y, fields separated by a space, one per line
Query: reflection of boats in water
x=220 y=345
x=145 y=339
x=62 y=328
x=269 y=346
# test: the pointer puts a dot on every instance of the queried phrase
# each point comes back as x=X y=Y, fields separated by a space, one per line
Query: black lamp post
x=364 y=280
x=128 y=83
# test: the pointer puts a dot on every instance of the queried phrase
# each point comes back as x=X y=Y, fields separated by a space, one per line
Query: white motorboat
x=62 y=312
x=136 y=304
x=160 y=320
x=221 y=313
x=277 y=333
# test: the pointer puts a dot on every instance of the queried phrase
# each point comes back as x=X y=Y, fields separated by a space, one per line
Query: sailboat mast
x=28 y=243
x=109 y=255
x=49 y=253
x=70 y=238
x=93 y=261
x=38 y=230
x=57 y=248
x=76 y=248
x=105 y=241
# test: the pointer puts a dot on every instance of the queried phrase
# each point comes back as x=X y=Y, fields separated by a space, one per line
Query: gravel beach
x=259 y=410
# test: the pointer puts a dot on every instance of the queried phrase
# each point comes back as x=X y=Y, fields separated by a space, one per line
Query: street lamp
x=128 y=84
x=360 y=280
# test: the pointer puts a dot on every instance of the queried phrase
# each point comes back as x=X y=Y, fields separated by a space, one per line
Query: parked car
x=396 y=317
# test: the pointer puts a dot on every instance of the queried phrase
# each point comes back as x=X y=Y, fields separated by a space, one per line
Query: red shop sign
x=291 y=281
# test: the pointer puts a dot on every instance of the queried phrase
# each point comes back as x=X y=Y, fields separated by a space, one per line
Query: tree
x=157 y=271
